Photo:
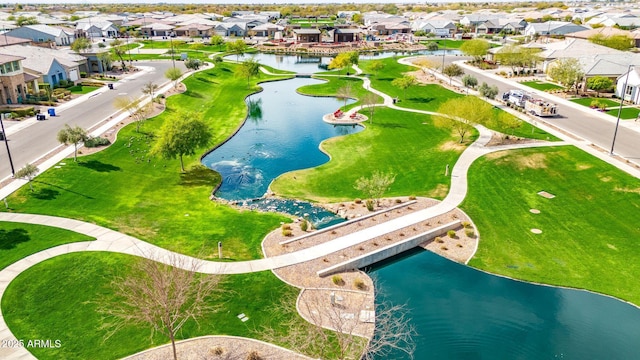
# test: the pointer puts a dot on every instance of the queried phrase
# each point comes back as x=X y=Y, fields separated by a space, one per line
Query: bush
x=101 y=45
x=439 y=240
x=451 y=233
x=358 y=201
x=286 y=226
x=412 y=197
x=337 y=279
x=359 y=284
x=96 y=141
x=83 y=74
x=470 y=233
x=304 y=225
x=287 y=232
x=217 y=351
x=466 y=224
x=398 y=201
x=253 y=355
x=25 y=111
x=369 y=204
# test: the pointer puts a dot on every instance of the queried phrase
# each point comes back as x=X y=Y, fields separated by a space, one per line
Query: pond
x=283 y=133
x=463 y=313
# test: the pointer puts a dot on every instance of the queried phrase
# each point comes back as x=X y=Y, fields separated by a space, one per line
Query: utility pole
x=6 y=143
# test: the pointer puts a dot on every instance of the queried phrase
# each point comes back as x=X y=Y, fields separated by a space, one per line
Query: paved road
x=594 y=127
x=31 y=142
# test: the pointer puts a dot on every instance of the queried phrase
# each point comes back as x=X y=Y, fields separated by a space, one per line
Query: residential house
x=472 y=21
x=346 y=35
x=92 y=29
x=49 y=65
x=439 y=27
x=606 y=32
x=13 y=83
x=628 y=86
x=194 y=30
x=267 y=30
x=44 y=34
x=238 y=29
x=6 y=40
x=157 y=29
x=560 y=28
x=307 y=35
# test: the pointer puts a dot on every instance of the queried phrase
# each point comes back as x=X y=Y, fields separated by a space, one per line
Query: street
x=33 y=141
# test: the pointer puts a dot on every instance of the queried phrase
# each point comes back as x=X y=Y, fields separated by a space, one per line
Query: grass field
x=587 y=101
x=402 y=143
x=126 y=189
x=333 y=85
x=589 y=230
x=446 y=43
x=19 y=240
x=541 y=85
x=82 y=89
x=42 y=304
x=627 y=113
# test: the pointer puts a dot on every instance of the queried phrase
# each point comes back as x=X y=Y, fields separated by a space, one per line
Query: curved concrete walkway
x=113 y=241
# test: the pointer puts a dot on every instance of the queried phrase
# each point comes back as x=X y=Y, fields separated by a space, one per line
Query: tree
x=135 y=109
x=216 y=40
x=404 y=83
x=72 y=135
x=105 y=60
x=345 y=60
x=432 y=46
x=173 y=74
x=348 y=340
x=24 y=20
x=477 y=48
x=182 y=136
x=487 y=91
x=376 y=66
x=193 y=64
x=81 y=45
x=452 y=70
x=469 y=81
x=599 y=83
x=424 y=64
x=517 y=56
x=249 y=68
x=29 y=171
x=375 y=186
x=461 y=114
x=345 y=92
x=150 y=89
x=370 y=100
x=506 y=121
x=567 y=72
x=161 y=296
x=119 y=51
x=619 y=42
x=238 y=47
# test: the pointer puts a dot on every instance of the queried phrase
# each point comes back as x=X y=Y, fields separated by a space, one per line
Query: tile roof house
x=13 y=84
x=553 y=28
x=44 y=34
x=49 y=65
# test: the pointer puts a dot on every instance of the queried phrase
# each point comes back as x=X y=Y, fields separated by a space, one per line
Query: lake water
x=283 y=133
x=460 y=313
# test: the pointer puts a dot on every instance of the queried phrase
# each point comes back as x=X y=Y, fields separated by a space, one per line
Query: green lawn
x=542 y=85
x=82 y=89
x=587 y=101
x=446 y=43
x=19 y=240
x=590 y=236
x=126 y=189
x=333 y=84
x=627 y=113
x=403 y=143
x=42 y=304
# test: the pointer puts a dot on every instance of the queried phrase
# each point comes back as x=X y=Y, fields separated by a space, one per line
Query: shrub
x=83 y=74
x=337 y=279
x=444 y=248
x=359 y=284
x=466 y=224
x=451 y=233
x=286 y=232
x=369 y=204
x=398 y=201
x=412 y=197
x=304 y=225
x=286 y=226
x=470 y=233
x=459 y=245
x=358 y=201
x=96 y=141
x=253 y=355
x=439 y=240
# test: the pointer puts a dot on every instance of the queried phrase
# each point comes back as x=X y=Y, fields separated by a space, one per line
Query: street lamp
x=444 y=51
x=6 y=143
x=171 y=35
x=622 y=93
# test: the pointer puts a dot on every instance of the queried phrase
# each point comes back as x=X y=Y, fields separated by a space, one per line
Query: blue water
x=463 y=313
x=301 y=64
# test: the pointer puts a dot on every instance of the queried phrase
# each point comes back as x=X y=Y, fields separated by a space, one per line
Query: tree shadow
x=99 y=166
x=199 y=175
x=45 y=194
x=10 y=239
x=421 y=99
x=391 y=126
x=193 y=94
x=50 y=194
